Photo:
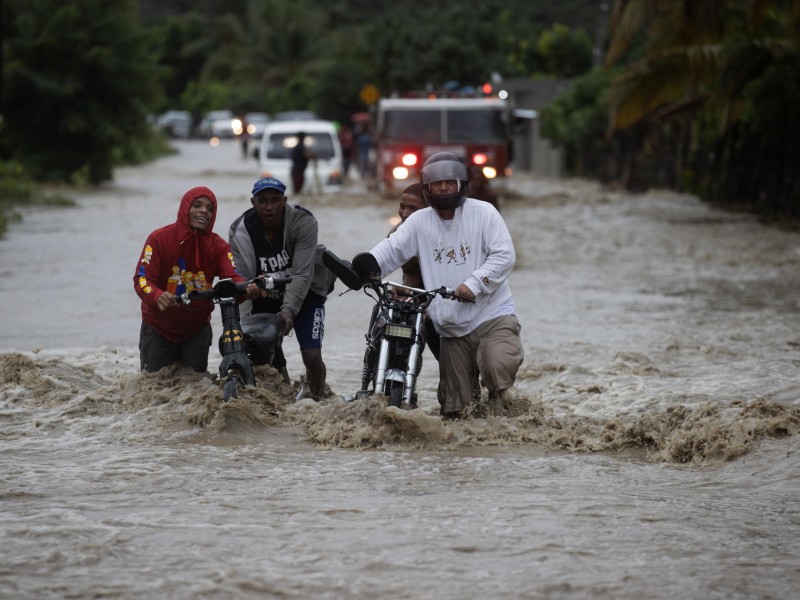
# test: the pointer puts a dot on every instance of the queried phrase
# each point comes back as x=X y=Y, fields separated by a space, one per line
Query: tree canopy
x=78 y=85
x=81 y=77
x=274 y=55
x=700 y=95
x=697 y=95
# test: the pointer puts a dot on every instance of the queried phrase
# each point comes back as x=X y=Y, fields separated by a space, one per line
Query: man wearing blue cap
x=278 y=239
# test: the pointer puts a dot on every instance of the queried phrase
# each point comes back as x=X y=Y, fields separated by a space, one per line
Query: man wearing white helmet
x=463 y=244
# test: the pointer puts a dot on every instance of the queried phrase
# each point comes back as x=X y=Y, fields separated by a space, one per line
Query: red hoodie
x=177 y=258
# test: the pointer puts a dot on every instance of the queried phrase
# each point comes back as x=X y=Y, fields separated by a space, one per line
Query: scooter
x=241 y=336
x=395 y=335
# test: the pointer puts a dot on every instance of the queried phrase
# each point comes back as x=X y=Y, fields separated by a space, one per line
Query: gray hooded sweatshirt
x=300 y=239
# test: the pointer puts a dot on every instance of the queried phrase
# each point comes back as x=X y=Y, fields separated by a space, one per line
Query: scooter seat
x=264 y=329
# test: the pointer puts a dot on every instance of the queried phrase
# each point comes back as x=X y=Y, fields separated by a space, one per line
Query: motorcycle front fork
x=408 y=376
x=232 y=345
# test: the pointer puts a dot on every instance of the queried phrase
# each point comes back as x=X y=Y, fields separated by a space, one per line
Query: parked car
x=217 y=123
x=255 y=123
x=176 y=123
x=324 y=171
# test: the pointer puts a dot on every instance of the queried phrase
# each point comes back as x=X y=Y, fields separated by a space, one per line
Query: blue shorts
x=309 y=324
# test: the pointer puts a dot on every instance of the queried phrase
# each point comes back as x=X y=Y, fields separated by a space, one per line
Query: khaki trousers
x=493 y=350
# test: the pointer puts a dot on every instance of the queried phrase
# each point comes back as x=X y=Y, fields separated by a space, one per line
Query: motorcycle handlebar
x=227 y=288
x=412 y=292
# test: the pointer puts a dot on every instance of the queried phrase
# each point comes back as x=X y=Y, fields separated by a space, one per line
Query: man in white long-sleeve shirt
x=462 y=244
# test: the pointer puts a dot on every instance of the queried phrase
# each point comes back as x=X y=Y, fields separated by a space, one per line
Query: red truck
x=409 y=130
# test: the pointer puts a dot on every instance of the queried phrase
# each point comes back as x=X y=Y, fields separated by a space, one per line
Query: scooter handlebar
x=269 y=283
x=227 y=288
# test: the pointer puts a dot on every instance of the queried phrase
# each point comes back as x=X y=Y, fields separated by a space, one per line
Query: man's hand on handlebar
x=463 y=294
x=167 y=300
x=253 y=291
x=258 y=287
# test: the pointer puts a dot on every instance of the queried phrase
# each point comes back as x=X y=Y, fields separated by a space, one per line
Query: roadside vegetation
x=693 y=95
x=81 y=80
x=699 y=96
x=18 y=189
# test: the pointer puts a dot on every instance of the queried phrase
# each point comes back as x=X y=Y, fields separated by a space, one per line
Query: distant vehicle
x=409 y=130
x=324 y=172
x=296 y=115
x=217 y=123
x=176 y=123
x=255 y=123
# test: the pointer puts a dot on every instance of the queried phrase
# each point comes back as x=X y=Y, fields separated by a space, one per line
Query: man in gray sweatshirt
x=278 y=239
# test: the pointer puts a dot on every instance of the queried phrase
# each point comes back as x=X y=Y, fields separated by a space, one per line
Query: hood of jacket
x=184 y=231
x=184 y=227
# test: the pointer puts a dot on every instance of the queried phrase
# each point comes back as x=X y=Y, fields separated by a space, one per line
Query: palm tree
x=681 y=54
x=706 y=93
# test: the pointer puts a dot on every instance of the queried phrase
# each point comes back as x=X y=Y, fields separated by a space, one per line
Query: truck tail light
x=409 y=159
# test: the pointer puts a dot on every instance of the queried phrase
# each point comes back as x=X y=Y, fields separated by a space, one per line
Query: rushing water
x=649 y=449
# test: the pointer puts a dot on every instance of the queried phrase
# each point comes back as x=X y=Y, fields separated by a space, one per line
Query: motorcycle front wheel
x=395 y=393
x=231 y=387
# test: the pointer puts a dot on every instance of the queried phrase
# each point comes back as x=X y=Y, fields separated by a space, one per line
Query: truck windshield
x=475 y=126
x=417 y=126
x=439 y=126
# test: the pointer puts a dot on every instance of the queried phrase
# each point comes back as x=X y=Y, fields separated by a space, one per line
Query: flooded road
x=654 y=453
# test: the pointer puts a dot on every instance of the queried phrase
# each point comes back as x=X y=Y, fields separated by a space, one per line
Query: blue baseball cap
x=268 y=183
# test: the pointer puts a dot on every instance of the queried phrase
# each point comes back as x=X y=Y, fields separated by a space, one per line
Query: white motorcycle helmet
x=444 y=166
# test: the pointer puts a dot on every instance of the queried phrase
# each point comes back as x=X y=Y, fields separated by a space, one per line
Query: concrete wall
x=532 y=153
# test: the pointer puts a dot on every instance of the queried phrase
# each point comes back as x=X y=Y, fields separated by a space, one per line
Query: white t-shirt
x=473 y=248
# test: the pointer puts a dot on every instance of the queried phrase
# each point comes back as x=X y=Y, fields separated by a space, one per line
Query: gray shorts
x=493 y=351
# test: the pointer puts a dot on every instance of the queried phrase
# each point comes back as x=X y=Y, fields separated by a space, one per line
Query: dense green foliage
x=78 y=86
x=80 y=78
x=274 y=55
x=699 y=95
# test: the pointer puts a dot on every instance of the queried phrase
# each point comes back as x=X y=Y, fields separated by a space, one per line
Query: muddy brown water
x=649 y=448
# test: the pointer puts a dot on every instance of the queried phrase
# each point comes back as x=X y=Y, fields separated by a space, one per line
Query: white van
x=324 y=172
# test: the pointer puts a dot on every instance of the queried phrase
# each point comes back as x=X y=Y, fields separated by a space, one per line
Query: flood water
x=651 y=448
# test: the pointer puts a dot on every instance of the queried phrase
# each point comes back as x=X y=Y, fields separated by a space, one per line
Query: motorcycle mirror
x=342 y=269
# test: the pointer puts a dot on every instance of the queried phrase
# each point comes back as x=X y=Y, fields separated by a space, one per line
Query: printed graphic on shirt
x=179 y=282
x=276 y=262
x=188 y=281
x=448 y=254
x=143 y=280
x=278 y=265
x=174 y=281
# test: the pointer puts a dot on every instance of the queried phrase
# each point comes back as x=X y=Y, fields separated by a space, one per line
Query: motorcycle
x=241 y=337
x=395 y=335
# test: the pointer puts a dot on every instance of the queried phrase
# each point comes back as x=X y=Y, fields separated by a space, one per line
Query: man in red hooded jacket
x=178 y=258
